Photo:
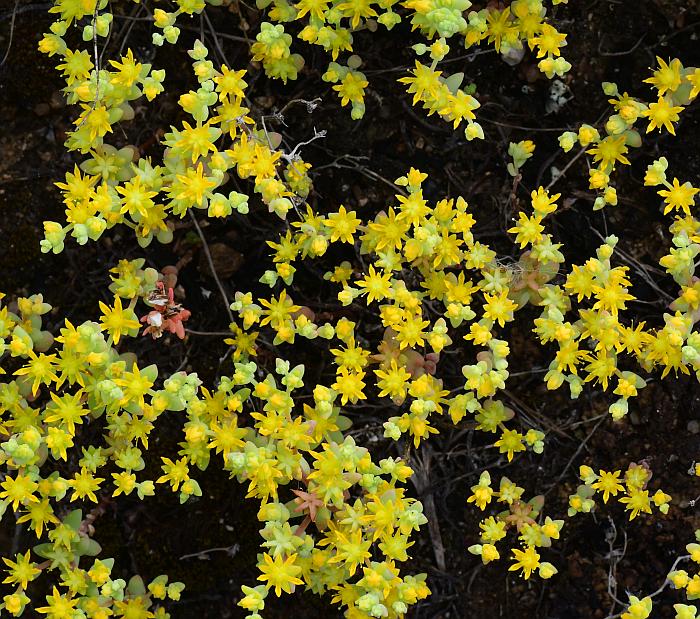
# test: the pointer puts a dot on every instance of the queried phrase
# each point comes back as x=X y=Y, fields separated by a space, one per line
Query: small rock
x=693 y=426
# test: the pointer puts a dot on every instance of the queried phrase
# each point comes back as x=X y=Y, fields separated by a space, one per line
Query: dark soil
x=615 y=40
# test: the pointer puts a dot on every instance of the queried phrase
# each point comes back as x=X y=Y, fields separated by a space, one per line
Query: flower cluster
x=632 y=488
x=521 y=516
x=412 y=242
x=89 y=591
x=676 y=87
x=118 y=186
x=414 y=281
x=85 y=378
x=351 y=511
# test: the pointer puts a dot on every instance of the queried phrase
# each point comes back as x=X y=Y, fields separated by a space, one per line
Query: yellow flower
x=662 y=113
x=527 y=560
x=460 y=107
x=510 y=442
x=542 y=203
x=661 y=500
x=548 y=41
x=587 y=134
x=492 y=530
x=124 y=482
x=678 y=197
x=389 y=231
x=414 y=207
x=230 y=83
x=99 y=572
x=499 y=308
x=528 y=230
x=637 y=501
x=128 y=70
x=638 y=609
x=667 y=77
x=424 y=81
x=694 y=79
x=117 y=321
x=278 y=310
x=95 y=119
x=135 y=607
x=377 y=286
x=40 y=368
x=244 y=342
x=39 y=514
x=353 y=357
x=59 y=606
x=393 y=381
x=499 y=27
x=282 y=574
x=609 y=151
x=193 y=186
x=357 y=9
x=175 y=473
x=413 y=179
x=597 y=179
x=409 y=332
x=343 y=225
x=84 y=485
x=349 y=385
x=482 y=492
x=608 y=483
x=352 y=88
x=196 y=140
x=21 y=571
x=692 y=589
x=611 y=297
x=489 y=553
x=19 y=489
x=15 y=603
x=551 y=527
x=315 y=8
x=678 y=578
x=685 y=611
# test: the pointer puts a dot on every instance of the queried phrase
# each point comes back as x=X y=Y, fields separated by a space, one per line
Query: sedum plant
x=334 y=518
